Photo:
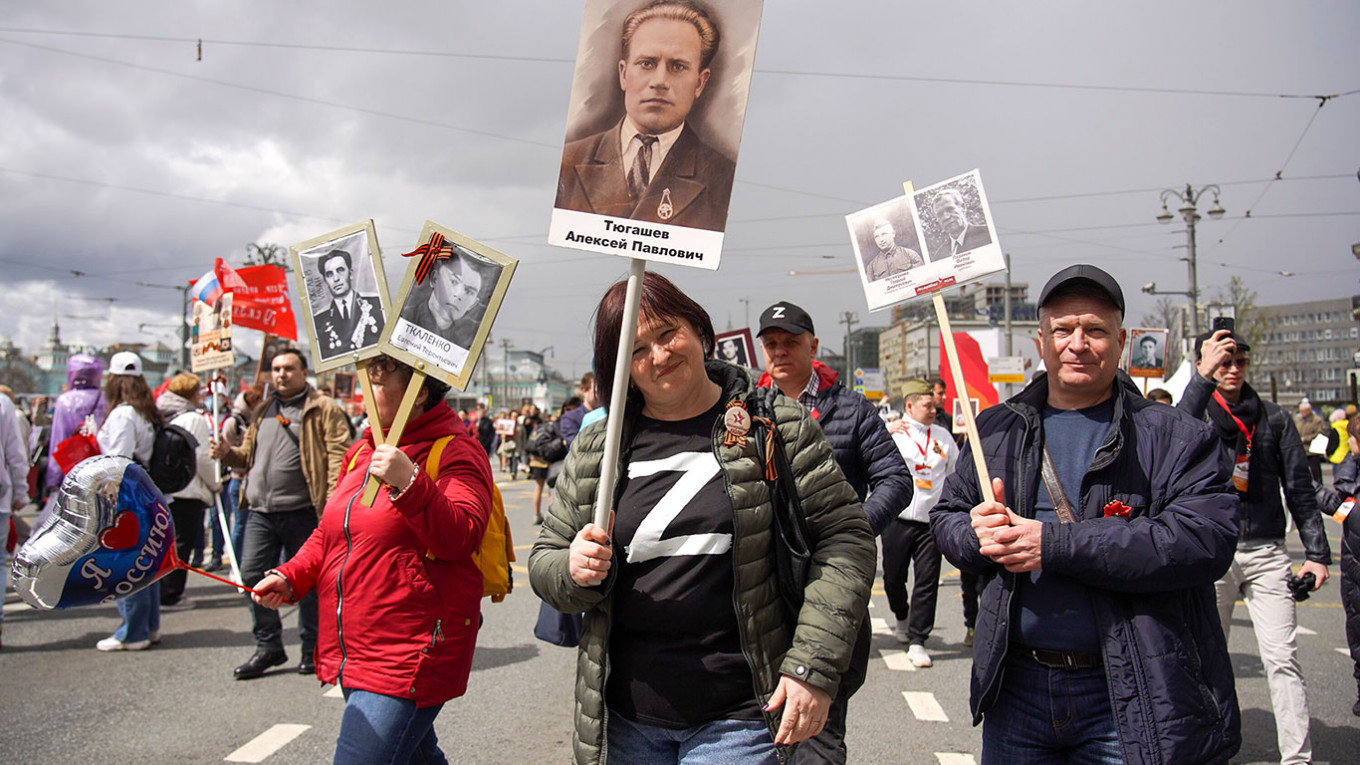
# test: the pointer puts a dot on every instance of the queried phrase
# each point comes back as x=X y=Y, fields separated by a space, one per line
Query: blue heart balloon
x=109 y=535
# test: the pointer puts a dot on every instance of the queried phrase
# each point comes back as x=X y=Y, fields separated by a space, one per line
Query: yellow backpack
x=497 y=549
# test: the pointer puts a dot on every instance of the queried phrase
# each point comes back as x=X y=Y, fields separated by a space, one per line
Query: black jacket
x=1277 y=459
x=1151 y=575
x=864 y=450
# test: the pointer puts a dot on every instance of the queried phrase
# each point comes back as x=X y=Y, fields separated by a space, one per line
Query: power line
x=779 y=72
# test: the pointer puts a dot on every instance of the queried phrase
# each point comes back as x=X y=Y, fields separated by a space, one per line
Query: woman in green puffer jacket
x=688 y=653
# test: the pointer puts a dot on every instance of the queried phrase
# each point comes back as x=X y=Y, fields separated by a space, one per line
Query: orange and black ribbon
x=431 y=251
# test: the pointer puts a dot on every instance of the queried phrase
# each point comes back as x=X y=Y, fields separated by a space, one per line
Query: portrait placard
x=344 y=386
x=448 y=299
x=344 y=294
x=653 y=131
x=959 y=425
x=1147 y=352
x=210 y=335
x=937 y=237
x=736 y=347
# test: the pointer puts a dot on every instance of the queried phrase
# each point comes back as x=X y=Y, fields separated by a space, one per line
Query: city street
x=65 y=702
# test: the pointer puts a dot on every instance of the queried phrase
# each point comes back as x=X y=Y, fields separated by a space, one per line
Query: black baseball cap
x=1084 y=273
x=786 y=316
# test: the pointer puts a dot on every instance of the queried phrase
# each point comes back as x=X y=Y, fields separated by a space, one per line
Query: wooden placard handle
x=408 y=402
x=961 y=391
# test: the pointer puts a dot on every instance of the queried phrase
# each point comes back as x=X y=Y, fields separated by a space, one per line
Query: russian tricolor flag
x=207 y=289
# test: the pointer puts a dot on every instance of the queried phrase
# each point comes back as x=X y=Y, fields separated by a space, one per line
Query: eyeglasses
x=1241 y=363
x=385 y=364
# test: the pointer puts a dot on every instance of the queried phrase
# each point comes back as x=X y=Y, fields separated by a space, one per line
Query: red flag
x=974 y=372
x=260 y=298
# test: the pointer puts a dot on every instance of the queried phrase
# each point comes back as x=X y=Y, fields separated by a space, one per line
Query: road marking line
x=11 y=608
x=924 y=706
x=880 y=626
x=1305 y=631
x=267 y=743
x=955 y=758
x=1344 y=651
x=335 y=692
x=896 y=660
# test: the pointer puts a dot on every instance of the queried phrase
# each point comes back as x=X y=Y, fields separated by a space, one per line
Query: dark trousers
x=188 y=517
x=829 y=745
x=971 y=587
x=267 y=536
x=908 y=544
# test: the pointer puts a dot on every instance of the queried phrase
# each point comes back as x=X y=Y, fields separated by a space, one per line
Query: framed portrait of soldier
x=654 y=126
x=925 y=241
x=448 y=299
x=344 y=294
x=959 y=425
x=1147 y=352
x=735 y=347
x=343 y=383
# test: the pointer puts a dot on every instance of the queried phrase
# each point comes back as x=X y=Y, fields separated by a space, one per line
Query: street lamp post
x=1189 y=201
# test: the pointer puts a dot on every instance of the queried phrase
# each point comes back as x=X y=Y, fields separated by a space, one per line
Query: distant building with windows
x=1307 y=350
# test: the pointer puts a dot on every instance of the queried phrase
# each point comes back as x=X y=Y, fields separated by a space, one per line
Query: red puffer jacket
x=399 y=591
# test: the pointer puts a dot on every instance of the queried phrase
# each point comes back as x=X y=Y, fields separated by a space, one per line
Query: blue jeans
x=141 y=612
x=386 y=730
x=1045 y=715
x=267 y=536
x=745 y=742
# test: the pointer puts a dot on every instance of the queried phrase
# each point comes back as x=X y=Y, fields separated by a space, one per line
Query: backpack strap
x=432 y=468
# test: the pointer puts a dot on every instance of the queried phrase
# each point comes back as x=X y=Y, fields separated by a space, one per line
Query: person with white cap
x=129 y=430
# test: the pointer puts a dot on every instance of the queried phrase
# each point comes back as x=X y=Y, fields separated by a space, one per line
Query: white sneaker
x=114 y=644
x=900 y=632
x=916 y=654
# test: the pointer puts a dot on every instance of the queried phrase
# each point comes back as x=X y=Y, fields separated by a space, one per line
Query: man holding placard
x=652 y=165
x=1112 y=519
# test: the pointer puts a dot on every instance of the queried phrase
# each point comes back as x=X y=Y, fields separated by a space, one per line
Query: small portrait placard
x=344 y=294
x=937 y=237
x=210 y=335
x=736 y=347
x=1147 y=352
x=446 y=304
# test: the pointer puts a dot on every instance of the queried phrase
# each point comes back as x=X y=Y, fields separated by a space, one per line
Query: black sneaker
x=308 y=664
x=256 y=665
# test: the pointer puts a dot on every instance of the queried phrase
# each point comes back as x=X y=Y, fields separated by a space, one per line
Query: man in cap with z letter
x=1112 y=519
x=866 y=455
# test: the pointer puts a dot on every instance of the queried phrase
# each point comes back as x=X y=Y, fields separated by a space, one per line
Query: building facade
x=1307 y=351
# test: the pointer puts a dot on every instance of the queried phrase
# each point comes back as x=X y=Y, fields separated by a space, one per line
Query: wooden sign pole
x=961 y=390
x=604 y=496
x=370 y=409
x=408 y=402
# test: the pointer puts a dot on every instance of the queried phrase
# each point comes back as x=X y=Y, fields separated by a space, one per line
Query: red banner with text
x=261 y=298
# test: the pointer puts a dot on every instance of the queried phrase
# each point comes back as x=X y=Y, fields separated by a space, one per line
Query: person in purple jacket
x=83 y=398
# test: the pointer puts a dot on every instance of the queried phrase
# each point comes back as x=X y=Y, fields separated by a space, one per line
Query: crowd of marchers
x=1103 y=539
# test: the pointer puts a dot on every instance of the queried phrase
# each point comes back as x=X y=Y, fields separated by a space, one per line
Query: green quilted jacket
x=815 y=647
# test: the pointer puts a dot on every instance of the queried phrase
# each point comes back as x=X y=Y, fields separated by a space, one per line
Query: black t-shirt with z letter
x=674 y=649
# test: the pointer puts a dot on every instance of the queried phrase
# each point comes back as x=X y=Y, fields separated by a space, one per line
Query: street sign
x=1006 y=369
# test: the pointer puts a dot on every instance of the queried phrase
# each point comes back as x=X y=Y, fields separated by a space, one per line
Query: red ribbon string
x=431 y=251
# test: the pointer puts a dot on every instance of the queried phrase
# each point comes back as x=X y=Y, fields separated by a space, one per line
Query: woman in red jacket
x=398 y=577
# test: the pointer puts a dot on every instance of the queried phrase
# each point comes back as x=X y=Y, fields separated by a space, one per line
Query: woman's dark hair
x=661 y=300
x=132 y=390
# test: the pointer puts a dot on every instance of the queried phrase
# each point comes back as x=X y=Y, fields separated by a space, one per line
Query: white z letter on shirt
x=698 y=469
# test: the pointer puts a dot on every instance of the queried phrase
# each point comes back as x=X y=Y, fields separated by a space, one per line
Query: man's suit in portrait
x=973 y=238
x=691 y=188
x=336 y=333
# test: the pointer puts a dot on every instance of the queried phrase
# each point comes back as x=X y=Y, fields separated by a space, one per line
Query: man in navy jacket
x=1098 y=593
x=865 y=453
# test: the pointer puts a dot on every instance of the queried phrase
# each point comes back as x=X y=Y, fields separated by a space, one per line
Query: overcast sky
x=128 y=160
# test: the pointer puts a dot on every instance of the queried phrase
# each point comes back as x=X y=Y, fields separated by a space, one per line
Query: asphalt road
x=61 y=701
